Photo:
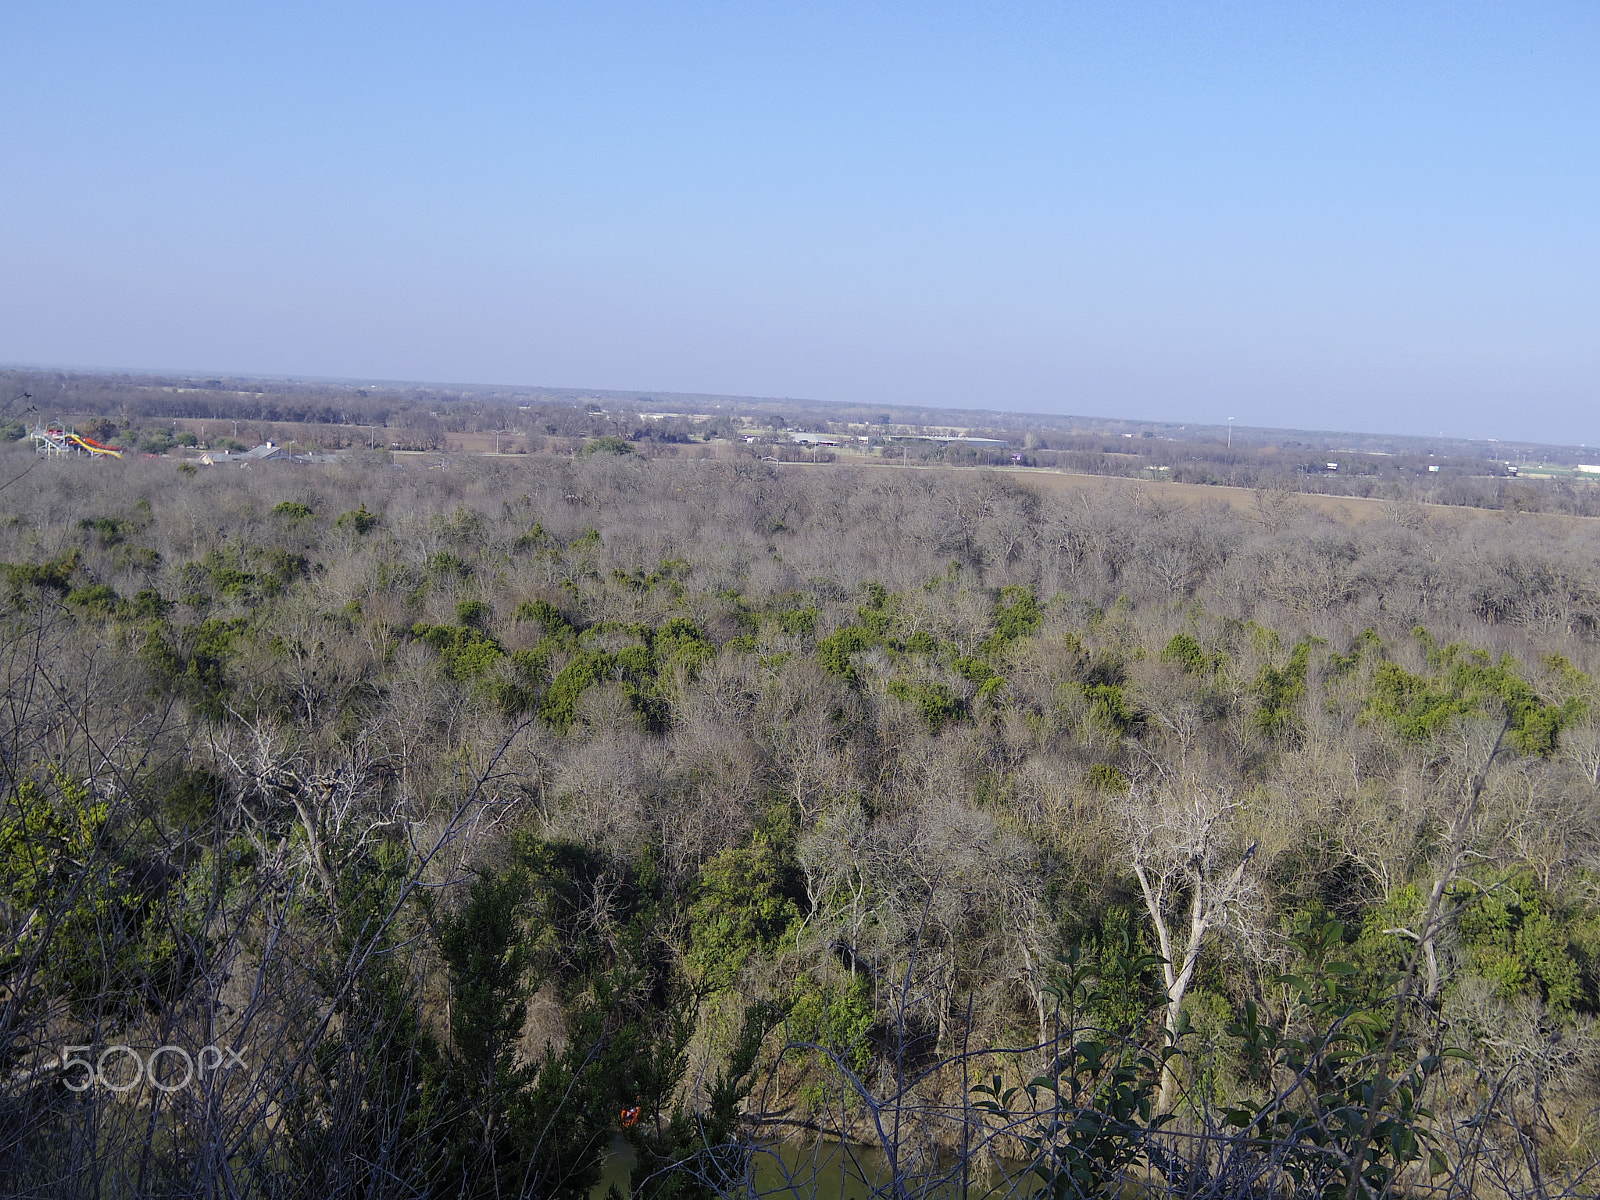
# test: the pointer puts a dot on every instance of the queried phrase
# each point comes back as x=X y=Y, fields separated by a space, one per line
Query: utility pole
x=1230 y=433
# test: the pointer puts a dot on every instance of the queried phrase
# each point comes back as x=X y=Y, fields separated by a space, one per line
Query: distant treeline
x=1415 y=470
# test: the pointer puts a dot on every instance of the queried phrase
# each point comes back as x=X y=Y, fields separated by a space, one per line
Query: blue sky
x=1365 y=216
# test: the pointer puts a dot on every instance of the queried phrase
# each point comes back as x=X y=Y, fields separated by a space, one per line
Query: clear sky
x=1378 y=216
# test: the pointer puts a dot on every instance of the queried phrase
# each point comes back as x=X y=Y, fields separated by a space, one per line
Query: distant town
x=242 y=422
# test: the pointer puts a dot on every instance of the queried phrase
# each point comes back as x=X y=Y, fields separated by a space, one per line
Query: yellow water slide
x=92 y=446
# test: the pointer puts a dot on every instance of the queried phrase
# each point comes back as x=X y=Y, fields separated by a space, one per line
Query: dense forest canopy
x=489 y=814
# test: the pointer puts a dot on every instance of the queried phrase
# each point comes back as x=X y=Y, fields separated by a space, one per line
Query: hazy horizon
x=1326 y=217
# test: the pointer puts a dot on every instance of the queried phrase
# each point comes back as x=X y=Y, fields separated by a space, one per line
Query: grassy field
x=1348 y=509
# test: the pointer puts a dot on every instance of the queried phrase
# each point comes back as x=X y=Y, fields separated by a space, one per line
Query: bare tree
x=1194 y=877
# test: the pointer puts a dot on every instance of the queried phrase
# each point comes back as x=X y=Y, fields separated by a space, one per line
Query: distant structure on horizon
x=267 y=451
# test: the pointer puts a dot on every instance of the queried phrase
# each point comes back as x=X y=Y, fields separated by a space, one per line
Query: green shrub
x=740 y=910
x=1466 y=683
x=96 y=598
x=59 y=880
x=606 y=445
x=54 y=576
x=938 y=703
x=111 y=529
x=1110 y=708
x=535 y=539
x=358 y=519
x=146 y=605
x=1103 y=777
x=445 y=564
x=1016 y=615
x=680 y=643
x=1280 y=690
x=836 y=1015
x=466 y=653
x=137 y=558
x=799 y=621
x=834 y=651
x=1511 y=936
x=1186 y=653
x=560 y=703
x=155 y=441
x=542 y=612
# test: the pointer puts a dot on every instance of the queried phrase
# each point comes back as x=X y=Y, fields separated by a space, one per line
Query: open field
x=1353 y=509
x=1056 y=482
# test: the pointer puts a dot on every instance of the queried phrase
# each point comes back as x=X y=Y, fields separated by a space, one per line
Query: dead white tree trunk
x=1193 y=875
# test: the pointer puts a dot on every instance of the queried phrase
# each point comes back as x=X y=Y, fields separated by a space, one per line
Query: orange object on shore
x=630 y=1117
